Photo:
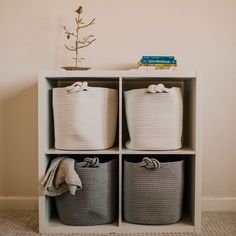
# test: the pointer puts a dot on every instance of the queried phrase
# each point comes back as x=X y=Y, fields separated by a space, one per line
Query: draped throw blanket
x=61 y=177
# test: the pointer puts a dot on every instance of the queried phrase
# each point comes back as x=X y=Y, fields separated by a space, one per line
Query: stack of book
x=157 y=63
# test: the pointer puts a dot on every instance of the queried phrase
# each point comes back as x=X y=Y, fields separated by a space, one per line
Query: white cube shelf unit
x=122 y=81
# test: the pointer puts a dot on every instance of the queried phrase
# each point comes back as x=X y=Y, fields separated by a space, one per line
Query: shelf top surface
x=119 y=73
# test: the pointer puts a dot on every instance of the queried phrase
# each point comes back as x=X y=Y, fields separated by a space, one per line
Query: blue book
x=158 y=57
x=157 y=61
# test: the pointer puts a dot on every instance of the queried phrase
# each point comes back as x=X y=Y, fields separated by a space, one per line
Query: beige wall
x=201 y=34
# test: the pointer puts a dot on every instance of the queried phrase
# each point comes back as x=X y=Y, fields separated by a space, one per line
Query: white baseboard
x=218 y=203
x=31 y=203
x=19 y=203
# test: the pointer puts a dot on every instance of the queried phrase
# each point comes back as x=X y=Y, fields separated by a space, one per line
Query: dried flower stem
x=78 y=44
x=77 y=40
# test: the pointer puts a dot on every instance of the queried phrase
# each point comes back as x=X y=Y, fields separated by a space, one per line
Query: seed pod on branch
x=79 y=10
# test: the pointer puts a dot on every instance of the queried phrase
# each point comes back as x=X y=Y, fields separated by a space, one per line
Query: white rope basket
x=154 y=118
x=85 y=117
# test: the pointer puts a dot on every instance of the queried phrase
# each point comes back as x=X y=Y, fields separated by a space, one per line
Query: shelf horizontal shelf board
x=119 y=73
x=113 y=150
x=182 y=151
x=184 y=225
x=55 y=226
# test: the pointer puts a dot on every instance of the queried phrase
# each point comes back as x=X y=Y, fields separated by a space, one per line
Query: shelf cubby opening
x=48 y=206
x=188 y=207
x=55 y=82
x=188 y=89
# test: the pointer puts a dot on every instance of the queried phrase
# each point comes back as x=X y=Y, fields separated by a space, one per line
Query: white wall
x=201 y=34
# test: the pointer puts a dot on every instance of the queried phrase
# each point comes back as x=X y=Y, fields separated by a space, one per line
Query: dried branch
x=87 y=38
x=70 y=48
x=90 y=23
x=79 y=43
x=67 y=32
x=88 y=43
x=81 y=21
x=78 y=59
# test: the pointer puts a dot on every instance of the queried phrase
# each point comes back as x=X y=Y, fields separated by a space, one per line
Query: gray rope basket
x=153 y=191
x=96 y=202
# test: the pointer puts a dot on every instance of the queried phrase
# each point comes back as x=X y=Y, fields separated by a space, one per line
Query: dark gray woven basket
x=96 y=202
x=153 y=195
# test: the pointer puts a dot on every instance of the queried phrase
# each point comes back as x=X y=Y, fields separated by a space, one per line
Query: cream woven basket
x=85 y=118
x=154 y=118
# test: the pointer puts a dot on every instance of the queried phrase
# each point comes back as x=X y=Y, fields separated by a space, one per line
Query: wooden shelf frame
x=123 y=80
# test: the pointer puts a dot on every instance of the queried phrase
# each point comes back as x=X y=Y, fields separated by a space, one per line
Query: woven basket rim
x=91 y=88
x=162 y=163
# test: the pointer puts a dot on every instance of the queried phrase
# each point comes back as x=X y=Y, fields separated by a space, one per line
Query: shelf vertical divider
x=120 y=153
x=198 y=156
x=43 y=141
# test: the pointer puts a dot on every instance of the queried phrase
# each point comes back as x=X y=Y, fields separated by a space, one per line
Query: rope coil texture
x=150 y=163
x=77 y=87
x=91 y=162
x=159 y=88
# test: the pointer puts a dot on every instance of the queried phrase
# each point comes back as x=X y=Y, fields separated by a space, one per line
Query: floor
x=25 y=223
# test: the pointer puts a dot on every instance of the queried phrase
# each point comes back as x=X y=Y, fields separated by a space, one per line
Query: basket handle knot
x=77 y=87
x=150 y=163
x=159 y=88
x=91 y=162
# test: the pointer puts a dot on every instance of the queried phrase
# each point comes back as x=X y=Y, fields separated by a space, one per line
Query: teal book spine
x=158 y=57
x=157 y=61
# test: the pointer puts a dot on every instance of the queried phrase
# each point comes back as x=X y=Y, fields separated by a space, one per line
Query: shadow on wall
x=19 y=143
